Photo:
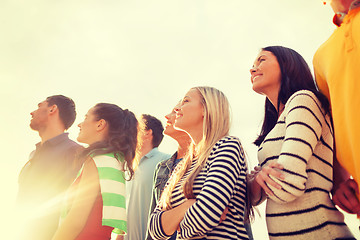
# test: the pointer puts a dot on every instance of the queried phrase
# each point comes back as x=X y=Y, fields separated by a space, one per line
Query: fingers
x=223 y=216
x=257 y=168
x=345 y=197
x=353 y=185
x=264 y=180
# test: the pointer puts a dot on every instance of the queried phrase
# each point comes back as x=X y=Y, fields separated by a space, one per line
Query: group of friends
x=121 y=186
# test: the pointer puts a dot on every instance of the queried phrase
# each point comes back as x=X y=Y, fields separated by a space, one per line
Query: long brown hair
x=122 y=135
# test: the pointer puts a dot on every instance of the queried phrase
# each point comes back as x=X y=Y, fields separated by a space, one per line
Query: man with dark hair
x=154 y=124
x=139 y=190
x=50 y=170
x=67 y=112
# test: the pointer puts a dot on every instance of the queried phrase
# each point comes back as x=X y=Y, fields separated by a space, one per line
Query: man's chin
x=33 y=126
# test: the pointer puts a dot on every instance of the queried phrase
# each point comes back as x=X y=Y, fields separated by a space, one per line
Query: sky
x=144 y=56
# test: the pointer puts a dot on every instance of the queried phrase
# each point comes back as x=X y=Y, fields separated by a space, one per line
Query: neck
x=281 y=109
x=145 y=149
x=196 y=134
x=50 y=133
x=183 y=146
x=273 y=98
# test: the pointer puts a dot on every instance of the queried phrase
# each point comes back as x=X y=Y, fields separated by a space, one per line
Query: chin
x=33 y=126
x=79 y=139
x=169 y=130
x=180 y=128
x=257 y=90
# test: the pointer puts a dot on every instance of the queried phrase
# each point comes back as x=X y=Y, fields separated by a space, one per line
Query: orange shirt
x=337 y=73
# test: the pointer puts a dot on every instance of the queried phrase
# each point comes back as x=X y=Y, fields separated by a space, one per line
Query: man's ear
x=149 y=133
x=101 y=125
x=149 y=136
x=53 y=109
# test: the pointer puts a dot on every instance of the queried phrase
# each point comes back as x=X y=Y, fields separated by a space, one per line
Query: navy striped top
x=220 y=184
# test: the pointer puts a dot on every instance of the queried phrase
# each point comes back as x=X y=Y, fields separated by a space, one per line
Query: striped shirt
x=220 y=184
x=302 y=141
x=112 y=187
x=112 y=190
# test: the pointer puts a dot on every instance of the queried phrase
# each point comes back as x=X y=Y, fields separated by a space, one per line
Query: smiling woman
x=295 y=153
x=211 y=181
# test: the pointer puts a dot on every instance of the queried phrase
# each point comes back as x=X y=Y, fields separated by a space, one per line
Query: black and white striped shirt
x=302 y=141
x=220 y=184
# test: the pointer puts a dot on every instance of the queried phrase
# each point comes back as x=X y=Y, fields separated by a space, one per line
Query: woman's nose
x=253 y=69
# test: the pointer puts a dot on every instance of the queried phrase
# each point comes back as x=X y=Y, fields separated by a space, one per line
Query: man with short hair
x=139 y=190
x=50 y=169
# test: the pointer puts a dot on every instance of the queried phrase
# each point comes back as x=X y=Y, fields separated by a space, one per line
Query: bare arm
x=171 y=219
x=86 y=194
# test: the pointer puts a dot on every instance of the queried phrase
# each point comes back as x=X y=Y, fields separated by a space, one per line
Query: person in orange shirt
x=336 y=66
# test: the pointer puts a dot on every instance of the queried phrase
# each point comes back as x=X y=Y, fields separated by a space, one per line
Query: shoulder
x=65 y=140
x=156 y=154
x=106 y=161
x=303 y=98
x=167 y=161
x=71 y=146
x=228 y=140
x=228 y=144
x=302 y=95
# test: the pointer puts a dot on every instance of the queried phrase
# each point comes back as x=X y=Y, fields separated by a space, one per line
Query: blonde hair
x=138 y=155
x=216 y=125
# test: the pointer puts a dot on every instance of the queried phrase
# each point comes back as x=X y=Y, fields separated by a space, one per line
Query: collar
x=339 y=16
x=169 y=163
x=152 y=152
x=54 y=141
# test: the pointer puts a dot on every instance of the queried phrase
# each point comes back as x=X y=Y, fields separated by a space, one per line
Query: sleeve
x=153 y=200
x=155 y=230
x=225 y=167
x=303 y=122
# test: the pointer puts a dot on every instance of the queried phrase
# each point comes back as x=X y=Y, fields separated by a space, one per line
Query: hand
x=345 y=197
x=120 y=237
x=254 y=172
x=223 y=215
x=263 y=179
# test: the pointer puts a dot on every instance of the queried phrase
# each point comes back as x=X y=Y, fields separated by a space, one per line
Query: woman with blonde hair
x=205 y=196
